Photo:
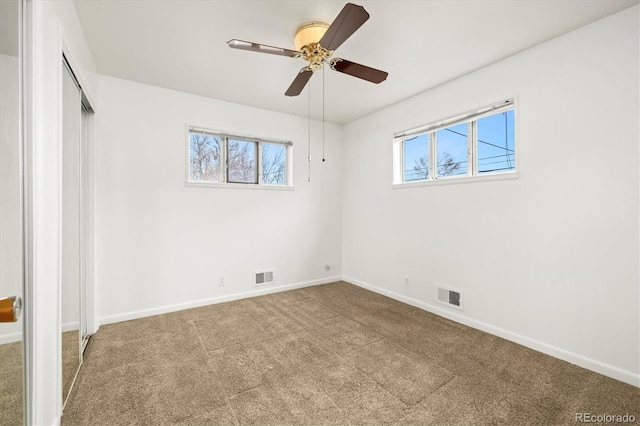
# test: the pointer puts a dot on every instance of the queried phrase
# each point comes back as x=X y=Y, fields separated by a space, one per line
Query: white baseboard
x=17 y=336
x=261 y=291
x=10 y=337
x=571 y=357
x=70 y=326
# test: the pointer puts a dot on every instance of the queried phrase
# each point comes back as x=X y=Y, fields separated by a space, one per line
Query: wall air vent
x=263 y=278
x=450 y=297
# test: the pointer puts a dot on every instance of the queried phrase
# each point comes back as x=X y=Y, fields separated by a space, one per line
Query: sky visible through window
x=274 y=159
x=452 y=150
x=416 y=158
x=496 y=149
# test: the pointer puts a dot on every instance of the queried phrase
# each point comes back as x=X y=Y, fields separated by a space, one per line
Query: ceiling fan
x=315 y=42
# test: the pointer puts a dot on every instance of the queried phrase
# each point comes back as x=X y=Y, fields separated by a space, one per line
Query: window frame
x=225 y=181
x=257 y=172
x=433 y=137
x=471 y=119
x=287 y=163
x=402 y=158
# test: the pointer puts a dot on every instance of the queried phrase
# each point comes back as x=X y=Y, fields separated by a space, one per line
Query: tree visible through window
x=416 y=158
x=451 y=156
x=470 y=147
x=452 y=150
x=242 y=161
x=274 y=161
x=218 y=158
x=204 y=157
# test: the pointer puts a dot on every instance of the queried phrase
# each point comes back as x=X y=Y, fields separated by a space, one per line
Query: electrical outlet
x=327 y=268
x=221 y=280
x=406 y=281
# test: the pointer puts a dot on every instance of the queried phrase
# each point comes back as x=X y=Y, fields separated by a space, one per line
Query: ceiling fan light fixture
x=309 y=33
x=315 y=42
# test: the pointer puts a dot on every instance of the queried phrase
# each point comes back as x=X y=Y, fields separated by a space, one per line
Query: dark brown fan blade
x=361 y=71
x=346 y=23
x=299 y=82
x=255 y=47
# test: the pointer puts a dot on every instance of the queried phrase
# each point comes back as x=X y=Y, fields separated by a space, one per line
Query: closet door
x=11 y=218
x=71 y=229
x=84 y=302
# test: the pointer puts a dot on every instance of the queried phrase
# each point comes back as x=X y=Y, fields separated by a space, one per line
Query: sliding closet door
x=71 y=229
x=11 y=218
x=84 y=185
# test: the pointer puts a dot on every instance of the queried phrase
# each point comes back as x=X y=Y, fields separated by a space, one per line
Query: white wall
x=161 y=245
x=550 y=259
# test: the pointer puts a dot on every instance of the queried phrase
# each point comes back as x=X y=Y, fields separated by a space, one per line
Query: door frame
x=45 y=38
x=24 y=119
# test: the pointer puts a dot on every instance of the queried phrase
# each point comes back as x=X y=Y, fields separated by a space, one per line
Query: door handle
x=10 y=308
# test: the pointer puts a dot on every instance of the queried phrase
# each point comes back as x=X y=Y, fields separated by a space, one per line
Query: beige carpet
x=11 y=376
x=70 y=359
x=330 y=354
x=11 y=384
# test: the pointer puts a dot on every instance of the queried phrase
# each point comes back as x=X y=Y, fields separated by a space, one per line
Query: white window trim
x=227 y=185
x=433 y=156
x=260 y=185
x=470 y=118
x=461 y=118
x=487 y=177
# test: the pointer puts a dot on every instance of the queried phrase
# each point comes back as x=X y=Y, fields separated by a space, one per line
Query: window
x=496 y=150
x=221 y=158
x=452 y=148
x=477 y=143
x=416 y=158
x=205 y=155
x=242 y=164
x=274 y=163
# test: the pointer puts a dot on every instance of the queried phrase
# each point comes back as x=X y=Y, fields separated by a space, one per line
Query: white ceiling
x=181 y=45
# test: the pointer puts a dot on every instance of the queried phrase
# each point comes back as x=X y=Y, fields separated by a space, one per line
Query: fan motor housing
x=307 y=41
x=315 y=54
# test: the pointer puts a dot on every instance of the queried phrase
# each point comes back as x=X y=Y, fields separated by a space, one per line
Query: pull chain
x=323 y=113
x=309 y=140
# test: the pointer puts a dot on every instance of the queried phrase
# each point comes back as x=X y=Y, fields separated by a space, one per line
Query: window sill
x=457 y=180
x=239 y=186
